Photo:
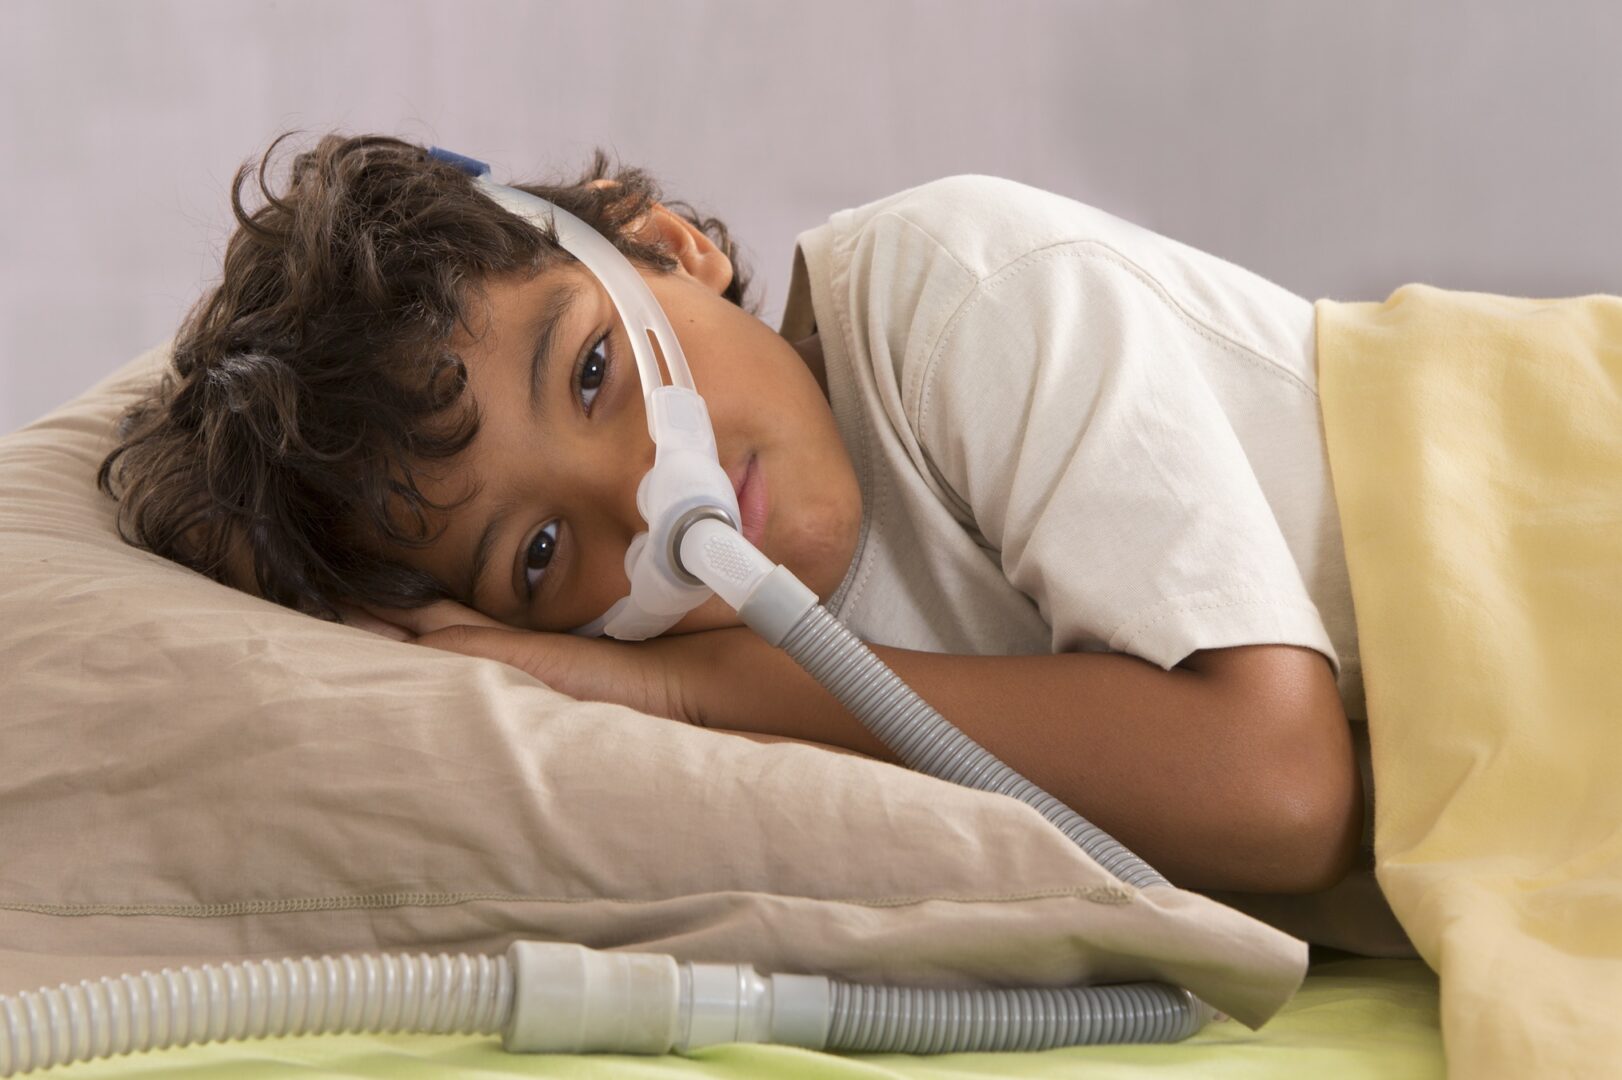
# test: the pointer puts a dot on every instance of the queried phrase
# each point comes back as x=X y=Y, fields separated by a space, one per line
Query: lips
x=738 y=474
x=750 y=487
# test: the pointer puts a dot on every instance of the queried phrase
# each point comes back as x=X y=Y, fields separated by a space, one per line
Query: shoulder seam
x=909 y=392
x=1095 y=249
x=948 y=252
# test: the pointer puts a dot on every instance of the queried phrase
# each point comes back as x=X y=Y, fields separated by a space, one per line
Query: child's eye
x=539 y=554
x=593 y=371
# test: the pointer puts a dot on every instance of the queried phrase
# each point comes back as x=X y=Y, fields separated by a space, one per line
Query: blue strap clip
x=472 y=166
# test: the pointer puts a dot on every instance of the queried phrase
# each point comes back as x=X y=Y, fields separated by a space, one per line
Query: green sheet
x=1353 y=1017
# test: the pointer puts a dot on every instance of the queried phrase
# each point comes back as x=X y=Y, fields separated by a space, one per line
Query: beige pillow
x=189 y=772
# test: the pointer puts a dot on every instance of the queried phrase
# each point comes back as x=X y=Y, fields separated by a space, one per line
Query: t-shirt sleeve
x=1066 y=408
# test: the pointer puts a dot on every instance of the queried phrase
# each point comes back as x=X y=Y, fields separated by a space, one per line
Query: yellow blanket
x=1476 y=447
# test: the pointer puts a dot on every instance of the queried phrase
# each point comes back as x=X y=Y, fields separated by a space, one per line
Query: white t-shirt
x=1071 y=434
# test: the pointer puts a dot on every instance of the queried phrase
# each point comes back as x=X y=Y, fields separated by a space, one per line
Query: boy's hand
x=658 y=676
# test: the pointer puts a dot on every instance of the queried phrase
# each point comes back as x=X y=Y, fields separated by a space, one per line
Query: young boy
x=1066 y=476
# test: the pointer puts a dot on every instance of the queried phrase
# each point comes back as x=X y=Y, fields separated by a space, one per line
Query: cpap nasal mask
x=563 y=998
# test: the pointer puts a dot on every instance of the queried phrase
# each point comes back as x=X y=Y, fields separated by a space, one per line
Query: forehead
x=498 y=307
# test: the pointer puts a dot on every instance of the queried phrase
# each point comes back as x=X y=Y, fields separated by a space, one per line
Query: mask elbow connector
x=767 y=596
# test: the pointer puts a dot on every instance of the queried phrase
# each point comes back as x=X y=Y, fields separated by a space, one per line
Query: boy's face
x=560 y=479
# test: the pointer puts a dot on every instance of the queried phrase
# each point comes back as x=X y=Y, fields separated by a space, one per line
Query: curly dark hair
x=308 y=388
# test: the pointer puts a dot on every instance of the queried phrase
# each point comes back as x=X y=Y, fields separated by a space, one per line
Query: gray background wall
x=1340 y=149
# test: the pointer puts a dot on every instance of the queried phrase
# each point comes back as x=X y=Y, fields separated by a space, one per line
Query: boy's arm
x=1234 y=770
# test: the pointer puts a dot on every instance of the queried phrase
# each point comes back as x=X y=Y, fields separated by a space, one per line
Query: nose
x=609 y=486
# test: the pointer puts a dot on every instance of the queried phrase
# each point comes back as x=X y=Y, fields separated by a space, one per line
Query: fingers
x=521 y=650
x=435 y=616
x=365 y=620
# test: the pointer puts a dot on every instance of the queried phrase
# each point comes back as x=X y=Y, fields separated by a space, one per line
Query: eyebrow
x=560 y=302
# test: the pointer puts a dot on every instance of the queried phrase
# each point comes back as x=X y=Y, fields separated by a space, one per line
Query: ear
x=694 y=251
